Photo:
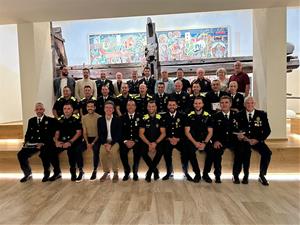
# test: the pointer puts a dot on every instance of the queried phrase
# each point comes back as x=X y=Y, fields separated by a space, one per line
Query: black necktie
x=131 y=117
x=39 y=121
x=250 y=117
x=226 y=116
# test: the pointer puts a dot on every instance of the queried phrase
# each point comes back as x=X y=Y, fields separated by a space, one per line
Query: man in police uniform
x=58 y=106
x=161 y=98
x=142 y=99
x=204 y=83
x=181 y=97
x=199 y=131
x=224 y=126
x=104 y=82
x=175 y=138
x=105 y=96
x=237 y=98
x=255 y=126
x=152 y=132
x=38 y=138
x=69 y=137
x=196 y=92
x=87 y=98
x=122 y=99
x=148 y=80
x=130 y=127
x=134 y=83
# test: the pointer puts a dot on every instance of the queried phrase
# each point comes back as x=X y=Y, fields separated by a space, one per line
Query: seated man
x=152 y=132
x=110 y=136
x=255 y=129
x=69 y=137
x=38 y=138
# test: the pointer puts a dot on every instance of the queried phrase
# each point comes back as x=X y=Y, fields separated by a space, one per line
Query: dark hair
x=199 y=97
x=86 y=69
x=61 y=67
x=180 y=69
x=109 y=102
x=226 y=97
x=161 y=83
x=69 y=103
x=146 y=68
x=87 y=86
x=91 y=102
x=131 y=100
x=151 y=102
x=172 y=100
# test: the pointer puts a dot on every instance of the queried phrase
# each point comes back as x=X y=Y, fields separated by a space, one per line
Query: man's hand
x=107 y=147
x=152 y=147
x=253 y=141
x=129 y=144
x=39 y=145
x=174 y=141
x=59 y=144
x=89 y=147
x=66 y=145
x=241 y=137
x=218 y=145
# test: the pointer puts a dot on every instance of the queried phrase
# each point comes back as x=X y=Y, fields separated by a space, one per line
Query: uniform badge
x=46 y=122
x=238 y=100
x=183 y=97
x=157 y=125
x=258 y=122
x=137 y=119
x=178 y=120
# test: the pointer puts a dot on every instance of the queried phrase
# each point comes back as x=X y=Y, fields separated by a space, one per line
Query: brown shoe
x=104 y=177
x=115 y=178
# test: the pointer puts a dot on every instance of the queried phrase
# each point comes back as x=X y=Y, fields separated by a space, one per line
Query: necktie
x=226 y=116
x=39 y=121
x=250 y=116
x=131 y=117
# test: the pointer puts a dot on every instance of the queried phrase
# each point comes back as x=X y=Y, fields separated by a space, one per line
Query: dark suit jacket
x=210 y=98
x=108 y=83
x=150 y=84
x=258 y=128
x=56 y=86
x=41 y=133
x=238 y=102
x=116 y=130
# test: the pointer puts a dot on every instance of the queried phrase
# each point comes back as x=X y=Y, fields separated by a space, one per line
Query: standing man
x=130 y=129
x=104 y=97
x=186 y=86
x=142 y=99
x=118 y=84
x=38 y=138
x=63 y=81
x=90 y=134
x=181 y=97
x=148 y=80
x=161 y=98
x=133 y=83
x=168 y=83
x=152 y=132
x=199 y=131
x=103 y=81
x=204 y=83
x=241 y=78
x=69 y=137
x=255 y=125
x=87 y=97
x=110 y=136
x=58 y=106
x=237 y=98
x=86 y=81
x=224 y=126
x=174 y=123
x=122 y=99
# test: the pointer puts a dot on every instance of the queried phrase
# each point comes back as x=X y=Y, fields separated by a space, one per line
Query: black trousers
x=152 y=163
x=168 y=156
x=244 y=154
x=96 y=151
x=25 y=153
x=193 y=158
x=217 y=158
x=74 y=156
x=136 y=157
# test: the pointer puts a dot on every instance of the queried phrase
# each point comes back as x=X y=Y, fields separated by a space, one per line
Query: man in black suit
x=62 y=81
x=212 y=98
x=161 y=98
x=148 y=80
x=237 y=98
x=224 y=126
x=104 y=97
x=110 y=136
x=174 y=123
x=186 y=86
x=133 y=84
x=38 y=138
x=255 y=126
x=181 y=97
x=130 y=127
x=103 y=81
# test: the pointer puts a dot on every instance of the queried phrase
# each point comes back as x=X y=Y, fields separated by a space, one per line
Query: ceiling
x=23 y=11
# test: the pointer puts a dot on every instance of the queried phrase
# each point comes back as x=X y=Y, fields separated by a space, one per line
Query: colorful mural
x=173 y=45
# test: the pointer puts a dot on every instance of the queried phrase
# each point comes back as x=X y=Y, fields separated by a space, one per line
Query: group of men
x=151 y=118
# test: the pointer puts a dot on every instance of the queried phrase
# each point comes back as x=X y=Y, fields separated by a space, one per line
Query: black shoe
x=218 y=180
x=188 y=177
x=135 y=177
x=26 y=178
x=94 y=175
x=126 y=177
x=80 y=177
x=45 y=178
x=236 y=180
x=263 y=180
x=206 y=178
x=55 y=177
x=167 y=176
x=148 y=177
x=156 y=174
x=73 y=177
x=197 y=178
x=245 y=180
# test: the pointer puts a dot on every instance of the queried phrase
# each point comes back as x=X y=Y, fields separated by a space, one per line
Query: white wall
x=293 y=87
x=10 y=93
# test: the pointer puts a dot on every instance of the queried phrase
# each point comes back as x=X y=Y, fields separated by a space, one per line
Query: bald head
x=200 y=73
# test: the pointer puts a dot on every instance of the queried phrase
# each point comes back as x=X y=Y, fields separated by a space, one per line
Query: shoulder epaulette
x=73 y=98
x=76 y=116
x=138 y=95
x=60 y=98
x=149 y=96
x=59 y=118
x=202 y=94
x=145 y=117
x=82 y=99
x=119 y=95
x=158 y=116
x=191 y=95
x=191 y=113
x=206 y=113
x=130 y=95
x=93 y=98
